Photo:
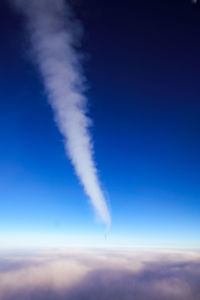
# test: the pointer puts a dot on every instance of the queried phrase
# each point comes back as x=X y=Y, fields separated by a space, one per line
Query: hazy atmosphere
x=97 y=274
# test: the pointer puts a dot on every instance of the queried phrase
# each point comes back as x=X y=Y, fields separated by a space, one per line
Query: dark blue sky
x=143 y=70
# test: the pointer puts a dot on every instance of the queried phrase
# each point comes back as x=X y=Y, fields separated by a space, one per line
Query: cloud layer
x=54 y=34
x=104 y=275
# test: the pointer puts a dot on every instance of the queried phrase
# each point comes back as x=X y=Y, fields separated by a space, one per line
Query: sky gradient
x=141 y=61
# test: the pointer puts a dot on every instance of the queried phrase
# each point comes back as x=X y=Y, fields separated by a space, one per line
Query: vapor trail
x=53 y=32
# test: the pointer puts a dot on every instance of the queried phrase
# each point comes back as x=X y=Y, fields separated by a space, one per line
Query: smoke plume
x=54 y=33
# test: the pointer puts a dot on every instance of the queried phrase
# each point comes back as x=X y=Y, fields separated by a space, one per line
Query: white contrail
x=53 y=33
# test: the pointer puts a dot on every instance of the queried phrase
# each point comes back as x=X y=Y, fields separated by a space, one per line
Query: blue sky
x=142 y=66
